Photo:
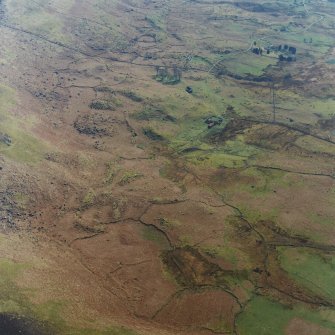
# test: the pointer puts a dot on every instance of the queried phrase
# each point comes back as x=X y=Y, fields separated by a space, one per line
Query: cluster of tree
x=283 y=58
x=257 y=51
x=306 y=40
x=286 y=49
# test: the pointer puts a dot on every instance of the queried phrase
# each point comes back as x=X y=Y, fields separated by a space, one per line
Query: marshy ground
x=167 y=167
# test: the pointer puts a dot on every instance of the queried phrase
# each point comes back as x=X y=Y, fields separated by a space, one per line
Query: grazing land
x=167 y=167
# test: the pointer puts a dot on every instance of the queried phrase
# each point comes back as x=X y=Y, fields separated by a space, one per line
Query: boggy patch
x=153 y=113
x=191 y=269
x=262 y=135
x=327 y=124
x=224 y=177
x=273 y=137
x=280 y=235
x=12 y=324
x=261 y=8
x=174 y=170
x=233 y=128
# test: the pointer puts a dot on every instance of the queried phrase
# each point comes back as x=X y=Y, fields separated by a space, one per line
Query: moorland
x=167 y=167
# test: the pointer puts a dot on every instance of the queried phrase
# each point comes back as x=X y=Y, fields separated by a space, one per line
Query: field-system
x=167 y=167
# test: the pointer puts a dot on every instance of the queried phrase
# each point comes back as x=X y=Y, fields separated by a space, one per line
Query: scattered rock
x=131 y=95
x=150 y=133
x=189 y=89
x=96 y=125
x=6 y=139
x=213 y=121
x=101 y=105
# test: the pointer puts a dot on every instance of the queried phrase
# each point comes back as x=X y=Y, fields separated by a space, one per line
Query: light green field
x=264 y=316
x=256 y=182
x=24 y=147
x=313 y=270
